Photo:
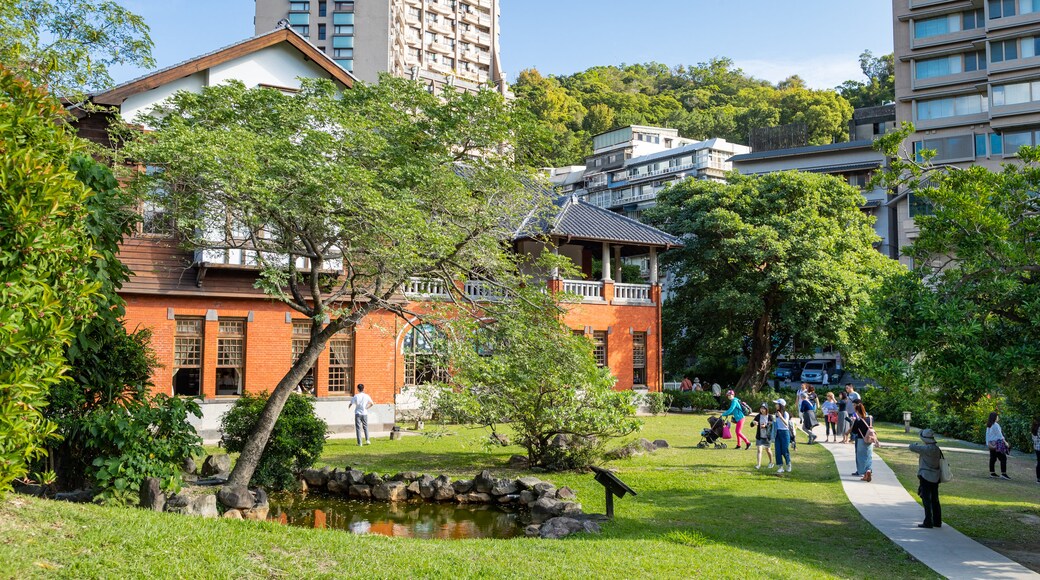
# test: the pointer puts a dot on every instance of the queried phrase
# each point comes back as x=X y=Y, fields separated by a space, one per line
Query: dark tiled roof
x=581 y=220
x=808 y=150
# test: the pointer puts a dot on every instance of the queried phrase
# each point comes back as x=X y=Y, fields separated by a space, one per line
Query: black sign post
x=613 y=486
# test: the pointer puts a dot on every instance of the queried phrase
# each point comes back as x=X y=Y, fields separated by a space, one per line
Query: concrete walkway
x=889 y=508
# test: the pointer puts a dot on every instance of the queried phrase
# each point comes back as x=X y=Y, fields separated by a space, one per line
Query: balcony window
x=1029 y=6
x=1014 y=140
x=347 y=6
x=342 y=42
x=300 y=7
x=980 y=145
x=187 y=357
x=347 y=29
x=303 y=31
x=974 y=61
x=960 y=147
x=297 y=19
x=343 y=53
x=937 y=26
x=996 y=144
x=230 y=356
x=347 y=64
x=951 y=107
x=323 y=9
x=321 y=32
x=342 y=18
x=1003 y=50
x=938 y=67
x=1001 y=8
x=919 y=205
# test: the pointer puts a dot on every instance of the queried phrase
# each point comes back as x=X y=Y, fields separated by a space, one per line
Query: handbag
x=945 y=473
x=725 y=431
x=1001 y=447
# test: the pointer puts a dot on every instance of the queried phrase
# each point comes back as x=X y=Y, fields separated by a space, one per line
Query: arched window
x=424 y=361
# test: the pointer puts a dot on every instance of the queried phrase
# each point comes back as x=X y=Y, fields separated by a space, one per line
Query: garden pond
x=444 y=521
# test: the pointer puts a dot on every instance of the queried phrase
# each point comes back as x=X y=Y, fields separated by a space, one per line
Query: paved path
x=889 y=508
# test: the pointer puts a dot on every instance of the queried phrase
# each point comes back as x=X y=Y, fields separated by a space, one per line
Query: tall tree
x=386 y=182
x=769 y=261
x=70 y=45
x=880 y=87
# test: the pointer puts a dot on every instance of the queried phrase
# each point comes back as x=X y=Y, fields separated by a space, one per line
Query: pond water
x=406 y=520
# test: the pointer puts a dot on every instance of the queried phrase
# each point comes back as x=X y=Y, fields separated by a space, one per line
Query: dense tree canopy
x=713 y=99
x=880 y=87
x=382 y=183
x=769 y=261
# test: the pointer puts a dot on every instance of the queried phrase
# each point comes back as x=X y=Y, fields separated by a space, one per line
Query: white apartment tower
x=437 y=42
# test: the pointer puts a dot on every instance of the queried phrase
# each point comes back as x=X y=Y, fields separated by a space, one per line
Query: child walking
x=763 y=435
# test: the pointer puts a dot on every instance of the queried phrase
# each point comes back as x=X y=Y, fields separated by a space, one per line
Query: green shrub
x=296 y=442
x=654 y=402
x=889 y=403
x=699 y=400
x=139 y=440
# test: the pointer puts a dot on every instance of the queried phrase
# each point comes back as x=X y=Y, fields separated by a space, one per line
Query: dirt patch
x=1027 y=554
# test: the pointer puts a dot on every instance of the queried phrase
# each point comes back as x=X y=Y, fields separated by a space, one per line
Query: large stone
x=152 y=496
x=565 y=493
x=483 y=482
x=631 y=450
x=413 y=489
x=83 y=496
x=568 y=508
x=463 y=486
x=373 y=479
x=316 y=477
x=504 y=487
x=518 y=462
x=528 y=497
x=190 y=467
x=340 y=486
x=407 y=476
x=561 y=527
x=204 y=505
x=426 y=487
x=545 y=488
x=361 y=491
x=216 y=465
x=391 y=491
x=647 y=444
x=355 y=477
x=528 y=482
x=508 y=499
x=532 y=530
x=443 y=490
x=233 y=515
x=235 y=497
x=258 y=514
x=544 y=509
x=474 y=497
x=261 y=497
x=661 y=444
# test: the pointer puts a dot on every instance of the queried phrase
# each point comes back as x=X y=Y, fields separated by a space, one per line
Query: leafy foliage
x=532 y=372
x=138 y=440
x=388 y=179
x=295 y=444
x=698 y=400
x=880 y=87
x=963 y=325
x=712 y=99
x=69 y=45
x=46 y=265
x=769 y=261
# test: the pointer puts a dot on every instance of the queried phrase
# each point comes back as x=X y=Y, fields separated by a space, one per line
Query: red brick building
x=216 y=336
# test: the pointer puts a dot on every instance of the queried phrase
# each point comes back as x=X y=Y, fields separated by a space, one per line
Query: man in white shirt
x=362 y=404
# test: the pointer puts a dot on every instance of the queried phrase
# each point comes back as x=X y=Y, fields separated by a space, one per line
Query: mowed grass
x=698 y=513
x=1004 y=515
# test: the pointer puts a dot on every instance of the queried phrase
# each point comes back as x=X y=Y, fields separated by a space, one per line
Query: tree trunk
x=257 y=441
x=757 y=371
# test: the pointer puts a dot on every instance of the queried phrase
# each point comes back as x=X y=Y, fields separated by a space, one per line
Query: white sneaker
x=788 y=469
x=367 y=442
x=759 y=466
x=781 y=470
x=770 y=466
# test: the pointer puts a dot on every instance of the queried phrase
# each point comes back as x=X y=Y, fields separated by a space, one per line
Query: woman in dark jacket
x=864 y=451
x=929 y=472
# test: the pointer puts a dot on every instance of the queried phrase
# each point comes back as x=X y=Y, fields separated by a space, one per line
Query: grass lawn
x=699 y=513
x=1004 y=515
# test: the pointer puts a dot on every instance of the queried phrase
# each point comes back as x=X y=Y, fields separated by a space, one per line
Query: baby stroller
x=713 y=434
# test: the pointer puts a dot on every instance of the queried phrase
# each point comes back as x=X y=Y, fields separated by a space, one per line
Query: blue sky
x=820 y=40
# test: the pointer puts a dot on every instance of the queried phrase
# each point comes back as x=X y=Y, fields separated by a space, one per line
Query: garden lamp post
x=906 y=421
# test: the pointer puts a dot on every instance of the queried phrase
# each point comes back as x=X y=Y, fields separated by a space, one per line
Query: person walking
x=998 y=446
x=808 y=411
x=686 y=385
x=737 y=413
x=362 y=403
x=830 y=417
x=764 y=434
x=826 y=380
x=843 y=416
x=929 y=472
x=1035 y=431
x=716 y=391
x=864 y=447
x=783 y=427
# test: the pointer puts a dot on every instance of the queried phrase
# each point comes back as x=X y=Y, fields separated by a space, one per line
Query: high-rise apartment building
x=437 y=42
x=968 y=77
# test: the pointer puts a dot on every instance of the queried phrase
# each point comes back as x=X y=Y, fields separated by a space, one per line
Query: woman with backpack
x=737 y=412
x=808 y=410
x=842 y=428
x=998 y=446
x=764 y=435
x=929 y=474
x=861 y=428
x=783 y=427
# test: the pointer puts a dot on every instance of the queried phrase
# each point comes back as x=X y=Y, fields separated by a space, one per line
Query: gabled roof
x=119 y=93
x=577 y=219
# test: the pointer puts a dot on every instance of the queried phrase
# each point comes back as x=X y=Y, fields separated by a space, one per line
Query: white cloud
x=823 y=72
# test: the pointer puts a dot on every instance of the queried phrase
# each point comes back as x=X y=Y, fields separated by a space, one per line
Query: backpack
x=745 y=408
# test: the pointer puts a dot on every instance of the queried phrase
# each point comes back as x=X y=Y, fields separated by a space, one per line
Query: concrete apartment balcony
x=956 y=121
x=959 y=36
x=441 y=48
x=440 y=7
x=995 y=68
x=412 y=19
x=632 y=294
x=489 y=4
x=1030 y=19
x=975 y=76
x=915 y=4
x=442 y=26
x=440 y=67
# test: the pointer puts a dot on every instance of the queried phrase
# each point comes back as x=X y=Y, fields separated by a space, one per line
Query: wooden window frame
x=180 y=337
x=231 y=332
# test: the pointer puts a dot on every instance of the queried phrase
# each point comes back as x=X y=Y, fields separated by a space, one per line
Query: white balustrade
x=481 y=291
x=632 y=293
x=585 y=291
x=425 y=288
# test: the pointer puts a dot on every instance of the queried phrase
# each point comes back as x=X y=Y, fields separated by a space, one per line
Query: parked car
x=790 y=370
x=813 y=371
